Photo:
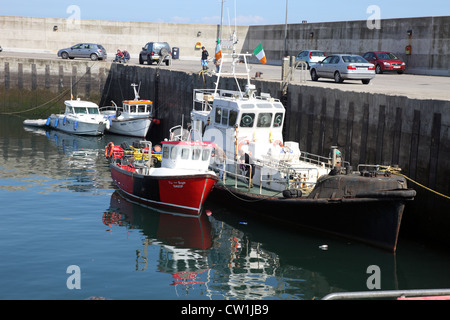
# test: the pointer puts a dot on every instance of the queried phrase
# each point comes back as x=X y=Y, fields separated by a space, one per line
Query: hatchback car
x=385 y=61
x=84 y=50
x=154 y=51
x=341 y=67
x=310 y=57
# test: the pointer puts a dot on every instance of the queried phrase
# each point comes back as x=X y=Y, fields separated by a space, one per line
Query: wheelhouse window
x=173 y=153
x=205 y=154
x=80 y=110
x=165 y=152
x=196 y=154
x=247 y=120
x=185 y=153
x=278 y=120
x=225 y=117
x=93 y=111
x=264 y=120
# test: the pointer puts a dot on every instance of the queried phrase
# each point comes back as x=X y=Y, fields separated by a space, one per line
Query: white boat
x=134 y=118
x=80 y=117
x=248 y=128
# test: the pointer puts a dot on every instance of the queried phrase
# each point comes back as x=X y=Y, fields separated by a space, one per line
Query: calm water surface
x=59 y=208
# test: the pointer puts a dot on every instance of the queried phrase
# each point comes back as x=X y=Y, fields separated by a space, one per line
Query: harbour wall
x=367 y=127
x=28 y=83
x=429 y=38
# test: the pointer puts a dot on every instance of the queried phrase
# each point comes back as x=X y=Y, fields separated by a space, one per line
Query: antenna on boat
x=136 y=94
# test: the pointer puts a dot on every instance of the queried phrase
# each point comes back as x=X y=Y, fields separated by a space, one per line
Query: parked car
x=385 y=61
x=154 y=51
x=341 y=67
x=310 y=57
x=84 y=50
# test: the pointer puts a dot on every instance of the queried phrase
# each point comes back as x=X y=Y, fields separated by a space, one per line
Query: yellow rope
x=396 y=171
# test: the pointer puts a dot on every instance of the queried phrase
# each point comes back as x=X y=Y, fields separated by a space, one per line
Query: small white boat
x=80 y=117
x=35 y=122
x=134 y=118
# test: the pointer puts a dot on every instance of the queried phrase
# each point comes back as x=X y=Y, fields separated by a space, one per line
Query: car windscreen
x=317 y=54
x=354 y=59
x=387 y=55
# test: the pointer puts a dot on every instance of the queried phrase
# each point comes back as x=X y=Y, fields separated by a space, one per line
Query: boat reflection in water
x=197 y=251
x=182 y=238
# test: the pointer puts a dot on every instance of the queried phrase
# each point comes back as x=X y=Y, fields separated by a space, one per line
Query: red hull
x=185 y=194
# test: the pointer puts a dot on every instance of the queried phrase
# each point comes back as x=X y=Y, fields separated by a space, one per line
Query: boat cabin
x=226 y=115
x=193 y=155
x=81 y=107
x=138 y=107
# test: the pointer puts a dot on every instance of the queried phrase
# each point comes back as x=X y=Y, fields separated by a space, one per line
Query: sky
x=244 y=12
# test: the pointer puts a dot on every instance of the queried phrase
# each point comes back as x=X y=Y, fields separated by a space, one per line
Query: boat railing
x=290 y=177
x=114 y=107
x=203 y=99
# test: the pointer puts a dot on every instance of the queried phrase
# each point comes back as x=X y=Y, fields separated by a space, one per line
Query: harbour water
x=60 y=212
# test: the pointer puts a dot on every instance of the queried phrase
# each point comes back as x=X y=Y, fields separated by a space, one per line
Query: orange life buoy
x=109 y=150
x=242 y=143
x=278 y=143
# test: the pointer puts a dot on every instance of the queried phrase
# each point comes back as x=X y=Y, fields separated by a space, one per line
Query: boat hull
x=131 y=127
x=76 y=126
x=185 y=193
x=372 y=220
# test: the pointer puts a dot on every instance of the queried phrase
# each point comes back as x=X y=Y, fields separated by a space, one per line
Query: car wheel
x=94 y=57
x=167 y=62
x=140 y=60
x=378 y=69
x=64 y=55
x=337 y=77
x=314 y=76
x=366 y=81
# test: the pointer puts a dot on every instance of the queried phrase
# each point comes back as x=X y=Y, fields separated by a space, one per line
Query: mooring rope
x=396 y=171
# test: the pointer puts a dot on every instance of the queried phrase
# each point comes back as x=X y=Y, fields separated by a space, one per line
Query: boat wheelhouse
x=80 y=117
x=134 y=118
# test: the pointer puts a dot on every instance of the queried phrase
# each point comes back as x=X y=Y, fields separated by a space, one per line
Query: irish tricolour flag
x=259 y=53
x=218 y=51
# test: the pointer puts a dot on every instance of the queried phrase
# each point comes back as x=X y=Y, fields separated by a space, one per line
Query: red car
x=385 y=61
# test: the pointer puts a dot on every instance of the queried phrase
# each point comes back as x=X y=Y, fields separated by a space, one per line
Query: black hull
x=372 y=220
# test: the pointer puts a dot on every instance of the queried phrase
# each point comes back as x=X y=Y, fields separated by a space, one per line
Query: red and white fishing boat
x=177 y=178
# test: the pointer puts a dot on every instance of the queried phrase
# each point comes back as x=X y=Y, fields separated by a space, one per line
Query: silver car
x=342 y=67
x=310 y=57
x=84 y=50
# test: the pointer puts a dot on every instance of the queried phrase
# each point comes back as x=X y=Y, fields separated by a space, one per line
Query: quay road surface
x=411 y=86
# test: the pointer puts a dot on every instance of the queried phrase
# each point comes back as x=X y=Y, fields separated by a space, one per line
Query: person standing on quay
x=205 y=56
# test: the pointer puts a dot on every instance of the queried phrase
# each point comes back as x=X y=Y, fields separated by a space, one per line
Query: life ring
x=243 y=142
x=278 y=143
x=109 y=150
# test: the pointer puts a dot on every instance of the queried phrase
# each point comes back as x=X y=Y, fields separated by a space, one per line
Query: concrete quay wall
x=429 y=40
x=32 y=81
